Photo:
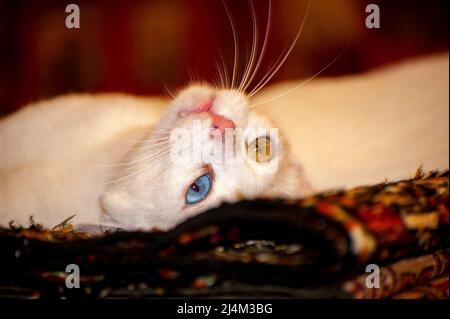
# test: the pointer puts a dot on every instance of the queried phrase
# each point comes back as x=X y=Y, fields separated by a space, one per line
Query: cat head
x=210 y=147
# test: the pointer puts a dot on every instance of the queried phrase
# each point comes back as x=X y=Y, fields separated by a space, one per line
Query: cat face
x=209 y=148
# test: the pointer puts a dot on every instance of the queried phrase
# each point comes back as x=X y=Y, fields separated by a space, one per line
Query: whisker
x=249 y=66
x=136 y=161
x=135 y=171
x=168 y=91
x=145 y=132
x=271 y=67
x=219 y=74
x=130 y=169
x=138 y=147
x=225 y=71
x=161 y=148
x=262 y=83
x=137 y=141
x=304 y=82
x=217 y=81
x=193 y=78
x=141 y=146
x=264 y=46
x=236 y=45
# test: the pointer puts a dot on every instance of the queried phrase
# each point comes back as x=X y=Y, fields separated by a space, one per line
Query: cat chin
x=118 y=211
x=121 y=211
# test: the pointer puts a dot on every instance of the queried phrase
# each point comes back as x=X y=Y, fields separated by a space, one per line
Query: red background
x=138 y=46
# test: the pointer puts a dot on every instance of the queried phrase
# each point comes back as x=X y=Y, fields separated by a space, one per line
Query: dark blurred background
x=141 y=46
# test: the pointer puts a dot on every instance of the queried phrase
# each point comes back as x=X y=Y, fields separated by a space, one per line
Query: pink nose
x=218 y=122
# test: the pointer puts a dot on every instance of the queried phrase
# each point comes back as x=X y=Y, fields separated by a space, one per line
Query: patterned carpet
x=384 y=241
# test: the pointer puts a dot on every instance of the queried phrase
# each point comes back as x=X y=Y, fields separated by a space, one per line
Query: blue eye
x=198 y=190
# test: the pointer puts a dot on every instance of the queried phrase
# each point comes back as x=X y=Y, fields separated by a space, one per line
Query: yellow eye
x=260 y=150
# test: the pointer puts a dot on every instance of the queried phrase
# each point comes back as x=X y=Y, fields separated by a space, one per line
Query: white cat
x=105 y=158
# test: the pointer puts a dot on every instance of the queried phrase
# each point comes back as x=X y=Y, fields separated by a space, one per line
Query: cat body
x=365 y=128
x=56 y=155
x=83 y=154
